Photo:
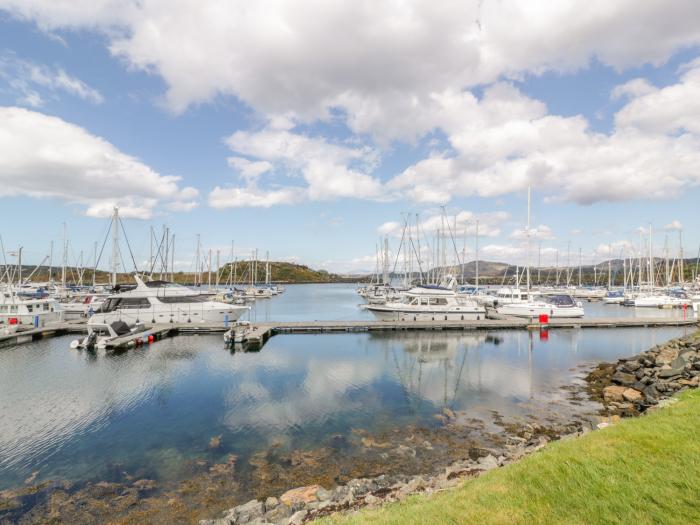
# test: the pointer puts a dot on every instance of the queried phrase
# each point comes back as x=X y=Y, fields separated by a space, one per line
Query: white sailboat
x=554 y=305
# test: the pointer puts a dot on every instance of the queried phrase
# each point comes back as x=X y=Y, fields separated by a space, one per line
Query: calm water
x=303 y=302
x=72 y=415
x=152 y=411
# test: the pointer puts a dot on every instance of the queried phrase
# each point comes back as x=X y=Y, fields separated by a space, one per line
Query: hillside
x=282 y=272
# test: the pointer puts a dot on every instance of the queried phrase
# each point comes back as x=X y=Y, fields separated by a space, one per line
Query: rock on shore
x=634 y=384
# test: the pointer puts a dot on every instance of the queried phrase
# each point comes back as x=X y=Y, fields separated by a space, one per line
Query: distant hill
x=281 y=272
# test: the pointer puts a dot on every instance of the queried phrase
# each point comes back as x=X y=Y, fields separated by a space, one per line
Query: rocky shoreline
x=626 y=388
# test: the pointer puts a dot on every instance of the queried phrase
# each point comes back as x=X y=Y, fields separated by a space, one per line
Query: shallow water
x=172 y=411
x=73 y=415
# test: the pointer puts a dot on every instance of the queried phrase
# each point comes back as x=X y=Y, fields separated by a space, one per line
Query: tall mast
x=609 y=266
x=115 y=245
x=172 y=259
x=476 y=249
x=197 y=269
x=385 y=268
x=580 y=263
x=94 y=266
x=216 y=281
x=651 y=260
x=50 y=260
x=527 y=259
x=681 y=269
x=65 y=257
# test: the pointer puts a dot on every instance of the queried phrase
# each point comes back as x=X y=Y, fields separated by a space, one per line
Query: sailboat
x=552 y=305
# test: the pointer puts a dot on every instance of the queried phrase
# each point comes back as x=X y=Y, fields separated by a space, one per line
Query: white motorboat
x=507 y=296
x=554 y=306
x=259 y=292
x=28 y=309
x=662 y=301
x=101 y=334
x=164 y=302
x=429 y=303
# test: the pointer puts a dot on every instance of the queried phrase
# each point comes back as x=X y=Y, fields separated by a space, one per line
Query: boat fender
x=150 y=338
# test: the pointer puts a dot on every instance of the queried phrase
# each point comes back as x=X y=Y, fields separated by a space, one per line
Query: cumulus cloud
x=539 y=233
x=506 y=141
x=25 y=78
x=674 y=225
x=329 y=170
x=47 y=157
x=398 y=70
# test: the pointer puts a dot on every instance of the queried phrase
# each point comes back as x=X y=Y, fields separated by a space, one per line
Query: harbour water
x=176 y=410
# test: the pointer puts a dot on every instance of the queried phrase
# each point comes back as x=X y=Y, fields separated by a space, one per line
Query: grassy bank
x=642 y=470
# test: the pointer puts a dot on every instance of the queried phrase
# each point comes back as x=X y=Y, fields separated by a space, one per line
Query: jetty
x=257 y=334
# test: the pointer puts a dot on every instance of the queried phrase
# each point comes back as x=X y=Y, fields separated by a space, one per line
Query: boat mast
x=651 y=261
x=527 y=258
x=681 y=269
x=115 y=245
x=476 y=249
x=65 y=256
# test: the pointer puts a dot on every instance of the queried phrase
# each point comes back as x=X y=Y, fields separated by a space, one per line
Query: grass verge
x=641 y=470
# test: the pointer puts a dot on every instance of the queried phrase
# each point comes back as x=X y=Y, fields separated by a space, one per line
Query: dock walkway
x=256 y=334
x=259 y=333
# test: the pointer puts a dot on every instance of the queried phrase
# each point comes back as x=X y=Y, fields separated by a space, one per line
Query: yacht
x=554 y=306
x=668 y=300
x=429 y=303
x=82 y=305
x=164 y=302
x=19 y=308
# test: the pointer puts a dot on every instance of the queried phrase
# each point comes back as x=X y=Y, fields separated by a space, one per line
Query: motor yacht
x=164 y=302
x=668 y=300
x=554 y=306
x=429 y=303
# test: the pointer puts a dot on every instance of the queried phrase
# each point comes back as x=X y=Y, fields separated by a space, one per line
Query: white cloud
x=249 y=170
x=329 y=170
x=252 y=197
x=46 y=157
x=380 y=62
x=674 y=225
x=505 y=141
x=672 y=109
x=398 y=70
x=25 y=77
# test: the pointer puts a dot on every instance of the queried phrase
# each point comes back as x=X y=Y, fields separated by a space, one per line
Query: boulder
x=632 y=395
x=667 y=373
x=613 y=393
x=248 y=512
x=298 y=517
x=623 y=378
x=300 y=495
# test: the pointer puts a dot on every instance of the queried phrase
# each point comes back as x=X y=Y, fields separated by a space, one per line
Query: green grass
x=643 y=470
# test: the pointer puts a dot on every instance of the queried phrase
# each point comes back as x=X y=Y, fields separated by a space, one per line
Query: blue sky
x=309 y=136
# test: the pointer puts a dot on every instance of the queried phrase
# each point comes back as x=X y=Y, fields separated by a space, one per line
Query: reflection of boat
x=426 y=303
x=164 y=302
x=552 y=305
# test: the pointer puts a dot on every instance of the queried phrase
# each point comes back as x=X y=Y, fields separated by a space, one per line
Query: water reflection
x=152 y=411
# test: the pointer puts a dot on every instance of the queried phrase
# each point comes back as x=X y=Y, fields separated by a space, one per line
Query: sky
x=309 y=129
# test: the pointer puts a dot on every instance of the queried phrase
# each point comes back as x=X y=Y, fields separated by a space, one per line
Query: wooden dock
x=259 y=333
x=256 y=334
